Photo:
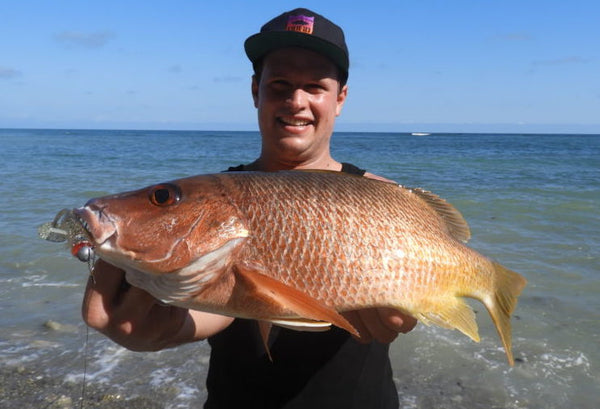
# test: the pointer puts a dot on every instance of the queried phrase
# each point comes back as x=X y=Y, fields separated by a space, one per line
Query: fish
x=299 y=248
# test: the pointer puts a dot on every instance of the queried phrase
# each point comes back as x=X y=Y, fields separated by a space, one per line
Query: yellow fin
x=508 y=286
x=452 y=313
x=455 y=222
x=455 y=313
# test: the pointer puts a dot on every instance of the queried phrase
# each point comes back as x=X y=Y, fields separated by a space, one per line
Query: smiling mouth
x=294 y=121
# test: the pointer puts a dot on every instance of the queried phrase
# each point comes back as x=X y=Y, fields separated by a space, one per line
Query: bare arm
x=134 y=319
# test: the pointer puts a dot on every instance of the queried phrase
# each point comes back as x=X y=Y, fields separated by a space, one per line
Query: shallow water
x=532 y=201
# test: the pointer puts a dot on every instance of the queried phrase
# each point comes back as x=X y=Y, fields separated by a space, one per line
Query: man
x=301 y=66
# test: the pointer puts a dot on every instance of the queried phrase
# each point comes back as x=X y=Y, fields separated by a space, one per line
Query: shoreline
x=27 y=388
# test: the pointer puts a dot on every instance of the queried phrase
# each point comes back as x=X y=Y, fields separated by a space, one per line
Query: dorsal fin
x=457 y=225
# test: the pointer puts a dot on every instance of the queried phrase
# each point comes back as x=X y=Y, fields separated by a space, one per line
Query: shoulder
x=355 y=170
x=239 y=168
x=377 y=177
x=352 y=169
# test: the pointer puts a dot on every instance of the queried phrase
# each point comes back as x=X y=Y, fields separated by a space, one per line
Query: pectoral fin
x=265 y=329
x=271 y=295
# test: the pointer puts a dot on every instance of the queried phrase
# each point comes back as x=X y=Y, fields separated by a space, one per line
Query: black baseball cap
x=300 y=28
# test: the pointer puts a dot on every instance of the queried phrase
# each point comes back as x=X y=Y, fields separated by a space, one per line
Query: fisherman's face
x=298 y=97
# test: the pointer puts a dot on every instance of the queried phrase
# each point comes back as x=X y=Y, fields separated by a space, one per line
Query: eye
x=165 y=194
x=279 y=85
x=315 y=88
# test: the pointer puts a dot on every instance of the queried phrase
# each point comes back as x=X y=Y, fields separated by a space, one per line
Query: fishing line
x=66 y=226
x=91 y=262
x=85 y=356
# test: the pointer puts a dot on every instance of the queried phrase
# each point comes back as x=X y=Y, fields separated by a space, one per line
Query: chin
x=293 y=145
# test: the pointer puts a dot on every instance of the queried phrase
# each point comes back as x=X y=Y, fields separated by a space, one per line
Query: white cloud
x=8 y=73
x=86 y=40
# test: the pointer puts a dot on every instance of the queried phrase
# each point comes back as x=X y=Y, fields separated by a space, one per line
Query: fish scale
x=296 y=248
x=317 y=239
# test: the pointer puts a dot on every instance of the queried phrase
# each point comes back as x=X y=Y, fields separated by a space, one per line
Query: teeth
x=83 y=223
x=295 y=122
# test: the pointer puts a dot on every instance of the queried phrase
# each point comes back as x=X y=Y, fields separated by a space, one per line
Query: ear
x=254 y=89
x=341 y=98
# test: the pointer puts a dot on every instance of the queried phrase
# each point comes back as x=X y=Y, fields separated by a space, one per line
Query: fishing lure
x=67 y=227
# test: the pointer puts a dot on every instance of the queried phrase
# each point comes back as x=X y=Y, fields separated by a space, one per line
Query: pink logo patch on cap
x=301 y=24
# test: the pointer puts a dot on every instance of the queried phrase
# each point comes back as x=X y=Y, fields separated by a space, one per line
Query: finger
x=396 y=320
x=377 y=327
x=152 y=327
x=134 y=307
x=106 y=280
x=101 y=293
x=357 y=322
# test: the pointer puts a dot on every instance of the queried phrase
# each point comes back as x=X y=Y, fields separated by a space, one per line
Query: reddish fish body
x=295 y=248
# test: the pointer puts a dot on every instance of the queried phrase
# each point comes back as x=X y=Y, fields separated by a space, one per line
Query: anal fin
x=452 y=313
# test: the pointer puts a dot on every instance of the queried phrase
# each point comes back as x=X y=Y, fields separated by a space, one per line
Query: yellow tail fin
x=508 y=286
x=454 y=313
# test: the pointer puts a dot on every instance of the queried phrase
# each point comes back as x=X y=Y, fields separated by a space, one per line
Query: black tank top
x=309 y=370
x=346 y=168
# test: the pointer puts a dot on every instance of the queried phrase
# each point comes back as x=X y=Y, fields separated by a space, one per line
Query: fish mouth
x=66 y=226
x=98 y=225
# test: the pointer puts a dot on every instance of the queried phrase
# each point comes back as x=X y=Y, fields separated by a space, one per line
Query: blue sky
x=455 y=66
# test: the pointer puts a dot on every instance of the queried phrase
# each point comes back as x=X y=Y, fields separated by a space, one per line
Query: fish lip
x=99 y=226
x=83 y=223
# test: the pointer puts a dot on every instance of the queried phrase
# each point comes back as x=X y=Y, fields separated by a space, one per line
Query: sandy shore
x=25 y=388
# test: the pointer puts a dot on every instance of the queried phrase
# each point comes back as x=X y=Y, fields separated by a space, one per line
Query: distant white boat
x=420 y=133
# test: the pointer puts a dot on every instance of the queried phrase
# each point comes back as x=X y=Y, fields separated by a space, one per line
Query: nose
x=296 y=99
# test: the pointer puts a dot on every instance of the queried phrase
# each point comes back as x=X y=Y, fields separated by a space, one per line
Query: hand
x=380 y=324
x=130 y=316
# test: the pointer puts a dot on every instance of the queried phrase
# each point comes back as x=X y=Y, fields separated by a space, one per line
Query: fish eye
x=165 y=194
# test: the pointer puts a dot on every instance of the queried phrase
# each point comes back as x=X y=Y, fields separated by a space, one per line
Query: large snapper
x=295 y=248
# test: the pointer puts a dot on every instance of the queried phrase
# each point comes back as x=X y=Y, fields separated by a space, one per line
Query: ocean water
x=532 y=201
